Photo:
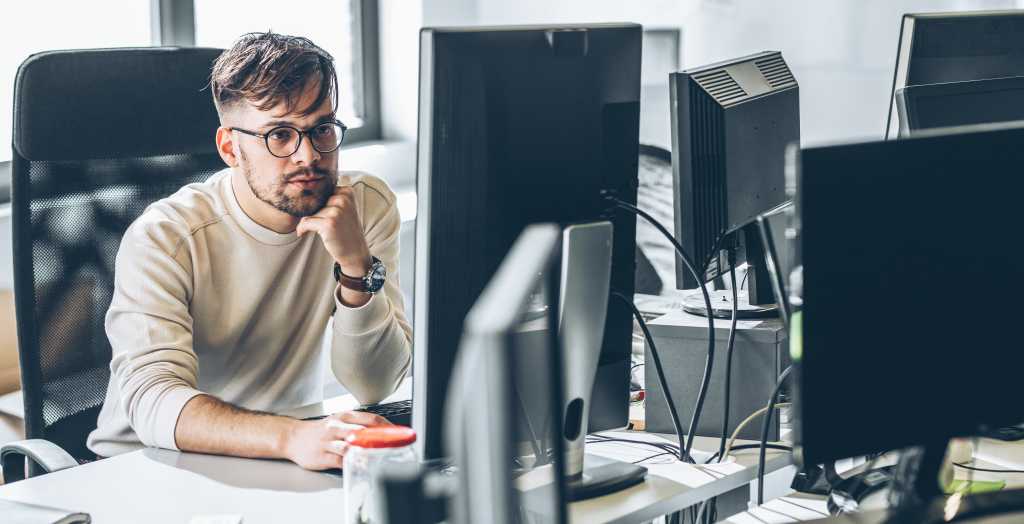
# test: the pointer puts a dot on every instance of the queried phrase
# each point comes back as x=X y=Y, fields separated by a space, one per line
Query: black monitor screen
x=961 y=103
x=912 y=280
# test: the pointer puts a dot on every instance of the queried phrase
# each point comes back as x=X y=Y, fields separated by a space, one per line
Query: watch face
x=375 y=279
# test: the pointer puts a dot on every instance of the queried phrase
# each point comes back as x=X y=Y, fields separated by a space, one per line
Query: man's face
x=300 y=184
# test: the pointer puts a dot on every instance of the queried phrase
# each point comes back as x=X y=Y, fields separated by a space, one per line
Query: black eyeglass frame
x=298 y=144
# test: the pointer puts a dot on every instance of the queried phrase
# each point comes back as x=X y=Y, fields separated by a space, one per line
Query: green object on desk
x=974 y=486
x=796 y=336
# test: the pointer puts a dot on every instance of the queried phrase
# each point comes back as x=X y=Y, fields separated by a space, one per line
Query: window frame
x=172 y=23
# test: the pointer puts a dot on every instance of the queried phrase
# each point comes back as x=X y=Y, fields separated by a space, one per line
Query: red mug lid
x=382 y=437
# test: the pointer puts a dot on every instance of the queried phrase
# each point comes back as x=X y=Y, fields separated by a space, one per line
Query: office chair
x=654 y=194
x=99 y=134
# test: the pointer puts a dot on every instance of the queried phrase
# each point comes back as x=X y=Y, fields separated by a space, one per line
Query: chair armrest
x=49 y=456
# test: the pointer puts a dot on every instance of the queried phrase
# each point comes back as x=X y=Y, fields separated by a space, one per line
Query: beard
x=307 y=202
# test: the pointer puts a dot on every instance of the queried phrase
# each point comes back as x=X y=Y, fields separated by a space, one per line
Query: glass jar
x=371 y=449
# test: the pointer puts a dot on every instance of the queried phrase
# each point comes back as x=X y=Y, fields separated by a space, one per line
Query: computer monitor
x=955 y=104
x=519 y=125
x=504 y=416
x=953 y=47
x=910 y=288
x=731 y=124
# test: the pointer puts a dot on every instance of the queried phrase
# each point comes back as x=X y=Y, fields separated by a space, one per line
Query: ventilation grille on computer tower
x=775 y=71
x=720 y=85
x=708 y=168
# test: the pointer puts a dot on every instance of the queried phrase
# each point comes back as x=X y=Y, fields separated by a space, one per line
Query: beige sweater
x=208 y=301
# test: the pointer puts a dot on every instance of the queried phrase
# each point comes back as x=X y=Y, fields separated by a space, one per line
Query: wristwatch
x=371 y=283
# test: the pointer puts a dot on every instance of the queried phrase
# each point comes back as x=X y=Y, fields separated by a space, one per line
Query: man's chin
x=303 y=205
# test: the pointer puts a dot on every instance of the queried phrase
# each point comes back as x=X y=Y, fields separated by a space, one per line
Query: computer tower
x=760 y=355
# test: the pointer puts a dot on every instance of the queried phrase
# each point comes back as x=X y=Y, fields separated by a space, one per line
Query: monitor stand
x=758 y=300
x=915 y=482
x=585 y=291
x=602 y=476
x=721 y=306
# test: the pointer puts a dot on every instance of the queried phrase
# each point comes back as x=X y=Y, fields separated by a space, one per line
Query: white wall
x=399 y=23
x=841 y=51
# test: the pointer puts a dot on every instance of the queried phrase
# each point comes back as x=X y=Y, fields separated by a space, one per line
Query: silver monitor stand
x=583 y=308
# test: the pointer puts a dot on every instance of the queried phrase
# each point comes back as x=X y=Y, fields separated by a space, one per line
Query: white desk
x=799 y=507
x=684 y=485
x=157 y=486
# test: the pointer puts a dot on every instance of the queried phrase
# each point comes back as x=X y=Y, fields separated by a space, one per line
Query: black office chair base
x=721 y=306
x=603 y=478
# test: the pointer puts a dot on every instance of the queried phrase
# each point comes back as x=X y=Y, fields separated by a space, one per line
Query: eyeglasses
x=284 y=141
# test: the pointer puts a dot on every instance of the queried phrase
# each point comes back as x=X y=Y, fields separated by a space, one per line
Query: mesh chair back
x=98 y=136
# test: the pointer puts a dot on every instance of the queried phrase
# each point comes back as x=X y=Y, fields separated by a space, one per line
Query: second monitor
x=731 y=124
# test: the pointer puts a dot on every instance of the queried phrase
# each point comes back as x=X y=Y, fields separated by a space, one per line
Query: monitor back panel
x=518 y=126
x=912 y=276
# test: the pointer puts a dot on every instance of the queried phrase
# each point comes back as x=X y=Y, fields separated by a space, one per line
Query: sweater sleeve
x=371 y=349
x=153 y=364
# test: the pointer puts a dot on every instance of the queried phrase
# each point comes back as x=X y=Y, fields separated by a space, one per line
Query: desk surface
x=156 y=486
x=800 y=507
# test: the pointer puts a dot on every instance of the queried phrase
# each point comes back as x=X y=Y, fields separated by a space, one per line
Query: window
x=345 y=28
x=43 y=25
x=335 y=25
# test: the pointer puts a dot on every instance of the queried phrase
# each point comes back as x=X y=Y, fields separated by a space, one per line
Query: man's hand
x=320 y=444
x=341 y=232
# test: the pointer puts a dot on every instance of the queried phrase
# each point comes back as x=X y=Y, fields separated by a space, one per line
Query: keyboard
x=399 y=413
x=396 y=412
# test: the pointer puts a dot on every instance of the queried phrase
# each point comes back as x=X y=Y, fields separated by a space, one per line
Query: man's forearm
x=210 y=425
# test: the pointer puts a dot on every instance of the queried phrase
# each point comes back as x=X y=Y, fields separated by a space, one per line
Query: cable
x=700 y=511
x=688 y=262
x=987 y=470
x=779 y=447
x=683 y=456
x=748 y=420
x=728 y=354
x=652 y=456
x=596 y=439
x=764 y=433
x=664 y=446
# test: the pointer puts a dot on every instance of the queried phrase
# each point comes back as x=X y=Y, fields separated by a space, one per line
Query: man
x=223 y=290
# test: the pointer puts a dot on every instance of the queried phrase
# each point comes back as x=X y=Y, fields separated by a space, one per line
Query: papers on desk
x=783 y=509
x=662 y=465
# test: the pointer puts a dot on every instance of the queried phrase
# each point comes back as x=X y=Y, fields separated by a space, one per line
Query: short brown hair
x=267 y=69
